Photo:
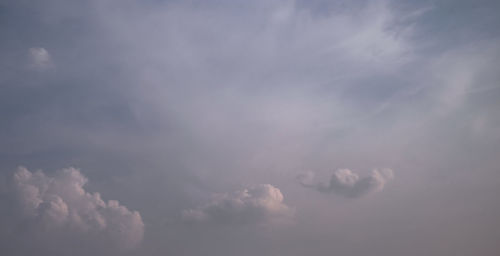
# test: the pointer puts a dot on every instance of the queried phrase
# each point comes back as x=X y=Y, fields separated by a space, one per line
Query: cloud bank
x=348 y=184
x=59 y=206
x=259 y=203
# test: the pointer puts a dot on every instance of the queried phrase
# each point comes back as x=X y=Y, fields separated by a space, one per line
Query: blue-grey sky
x=249 y=127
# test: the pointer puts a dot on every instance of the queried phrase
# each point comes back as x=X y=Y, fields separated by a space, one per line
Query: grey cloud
x=259 y=203
x=59 y=205
x=40 y=58
x=163 y=105
x=346 y=183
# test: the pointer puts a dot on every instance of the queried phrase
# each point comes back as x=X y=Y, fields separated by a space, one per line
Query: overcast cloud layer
x=179 y=109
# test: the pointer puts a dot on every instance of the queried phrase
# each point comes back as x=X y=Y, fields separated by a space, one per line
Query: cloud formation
x=40 y=58
x=348 y=184
x=164 y=105
x=60 y=205
x=259 y=203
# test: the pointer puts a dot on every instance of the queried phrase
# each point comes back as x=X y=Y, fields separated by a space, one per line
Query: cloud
x=40 y=58
x=259 y=203
x=348 y=184
x=59 y=206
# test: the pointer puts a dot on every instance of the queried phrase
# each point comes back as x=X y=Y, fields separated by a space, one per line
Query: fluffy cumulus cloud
x=255 y=204
x=59 y=206
x=346 y=183
x=40 y=58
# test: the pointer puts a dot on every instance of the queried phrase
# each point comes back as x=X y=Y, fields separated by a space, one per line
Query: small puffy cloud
x=346 y=183
x=259 y=203
x=59 y=206
x=40 y=58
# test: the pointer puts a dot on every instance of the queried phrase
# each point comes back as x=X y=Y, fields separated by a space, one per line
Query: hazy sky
x=248 y=128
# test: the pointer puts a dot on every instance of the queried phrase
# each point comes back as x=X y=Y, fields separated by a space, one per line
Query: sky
x=221 y=128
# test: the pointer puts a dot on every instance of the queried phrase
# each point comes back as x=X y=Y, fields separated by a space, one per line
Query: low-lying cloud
x=259 y=203
x=348 y=184
x=59 y=206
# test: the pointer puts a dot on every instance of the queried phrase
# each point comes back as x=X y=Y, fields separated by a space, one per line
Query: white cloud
x=59 y=204
x=346 y=183
x=460 y=71
x=40 y=58
x=259 y=203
